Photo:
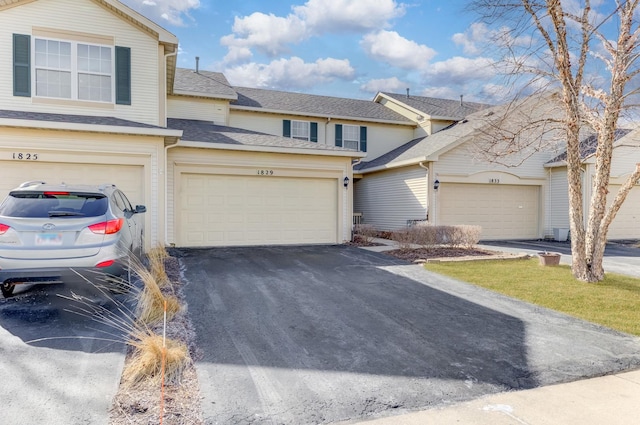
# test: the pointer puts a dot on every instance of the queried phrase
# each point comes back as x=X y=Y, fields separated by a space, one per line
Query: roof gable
x=435 y=108
x=203 y=84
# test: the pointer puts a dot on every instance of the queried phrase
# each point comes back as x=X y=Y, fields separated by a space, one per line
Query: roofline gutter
x=324 y=116
x=204 y=95
x=270 y=149
x=90 y=128
x=393 y=165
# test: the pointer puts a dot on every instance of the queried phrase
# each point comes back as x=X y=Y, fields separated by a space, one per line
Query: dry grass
x=151 y=301
x=146 y=362
x=157 y=257
x=614 y=302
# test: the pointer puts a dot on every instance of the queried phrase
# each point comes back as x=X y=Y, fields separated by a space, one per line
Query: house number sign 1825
x=264 y=172
x=25 y=156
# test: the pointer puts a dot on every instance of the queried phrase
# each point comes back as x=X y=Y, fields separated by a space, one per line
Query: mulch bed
x=140 y=405
x=437 y=252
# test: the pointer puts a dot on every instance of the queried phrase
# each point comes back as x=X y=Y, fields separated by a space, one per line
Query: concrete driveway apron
x=321 y=334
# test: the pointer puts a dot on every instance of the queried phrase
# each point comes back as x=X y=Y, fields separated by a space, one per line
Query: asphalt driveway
x=309 y=335
x=56 y=367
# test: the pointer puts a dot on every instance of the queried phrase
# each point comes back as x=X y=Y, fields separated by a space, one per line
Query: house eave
x=204 y=95
x=393 y=165
x=323 y=116
x=90 y=128
x=269 y=149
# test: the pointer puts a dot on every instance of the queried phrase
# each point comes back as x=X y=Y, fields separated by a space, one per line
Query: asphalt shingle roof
x=478 y=124
x=75 y=119
x=301 y=103
x=203 y=83
x=204 y=131
x=589 y=144
x=439 y=107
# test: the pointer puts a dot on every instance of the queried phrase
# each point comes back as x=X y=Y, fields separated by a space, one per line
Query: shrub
x=404 y=238
x=157 y=257
x=146 y=361
x=367 y=232
x=427 y=235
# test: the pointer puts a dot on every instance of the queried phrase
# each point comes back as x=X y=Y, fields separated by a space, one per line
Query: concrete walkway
x=609 y=399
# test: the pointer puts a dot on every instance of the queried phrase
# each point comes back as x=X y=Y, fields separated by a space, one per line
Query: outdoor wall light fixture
x=346 y=182
x=436 y=184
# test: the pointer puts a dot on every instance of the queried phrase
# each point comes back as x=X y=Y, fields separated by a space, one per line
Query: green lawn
x=614 y=302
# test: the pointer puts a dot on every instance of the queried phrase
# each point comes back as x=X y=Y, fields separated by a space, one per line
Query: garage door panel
x=257 y=210
x=503 y=211
x=129 y=178
x=626 y=224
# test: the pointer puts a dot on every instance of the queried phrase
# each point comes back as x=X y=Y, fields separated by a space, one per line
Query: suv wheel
x=7 y=289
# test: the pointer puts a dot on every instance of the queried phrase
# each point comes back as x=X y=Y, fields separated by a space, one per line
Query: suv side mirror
x=140 y=209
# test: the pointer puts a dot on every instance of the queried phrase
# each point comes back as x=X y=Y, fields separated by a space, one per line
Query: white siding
x=558 y=203
x=89 y=18
x=190 y=108
x=389 y=198
x=381 y=138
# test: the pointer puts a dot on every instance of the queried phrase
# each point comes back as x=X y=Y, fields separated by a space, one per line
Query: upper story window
x=351 y=137
x=302 y=130
x=73 y=70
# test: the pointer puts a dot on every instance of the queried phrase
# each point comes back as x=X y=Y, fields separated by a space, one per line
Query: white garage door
x=222 y=210
x=626 y=225
x=129 y=178
x=503 y=211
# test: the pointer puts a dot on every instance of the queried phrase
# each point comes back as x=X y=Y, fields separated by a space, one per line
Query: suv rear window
x=53 y=204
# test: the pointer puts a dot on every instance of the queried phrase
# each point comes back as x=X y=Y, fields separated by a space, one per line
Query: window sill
x=69 y=102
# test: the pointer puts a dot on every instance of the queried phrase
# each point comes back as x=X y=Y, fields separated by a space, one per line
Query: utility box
x=560 y=234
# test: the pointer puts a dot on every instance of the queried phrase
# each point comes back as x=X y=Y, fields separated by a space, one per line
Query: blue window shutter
x=21 y=65
x=123 y=75
x=286 y=128
x=314 y=132
x=363 y=139
x=339 y=135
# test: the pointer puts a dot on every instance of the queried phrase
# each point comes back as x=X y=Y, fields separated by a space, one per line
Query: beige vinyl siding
x=461 y=161
x=389 y=198
x=381 y=138
x=183 y=161
x=80 y=150
x=191 y=108
x=89 y=18
x=558 y=204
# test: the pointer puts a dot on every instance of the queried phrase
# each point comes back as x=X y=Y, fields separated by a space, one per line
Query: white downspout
x=421 y=164
x=166 y=155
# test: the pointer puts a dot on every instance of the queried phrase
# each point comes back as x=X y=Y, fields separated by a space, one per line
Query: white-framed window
x=351 y=137
x=73 y=70
x=300 y=130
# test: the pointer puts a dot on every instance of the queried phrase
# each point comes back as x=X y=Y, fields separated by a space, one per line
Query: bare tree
x=588 y=53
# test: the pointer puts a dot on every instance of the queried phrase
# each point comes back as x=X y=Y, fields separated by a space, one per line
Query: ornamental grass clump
x=146 y=361
x=151 y=301
x=157 y=256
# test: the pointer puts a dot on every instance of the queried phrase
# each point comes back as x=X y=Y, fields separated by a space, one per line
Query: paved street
x=299 y=335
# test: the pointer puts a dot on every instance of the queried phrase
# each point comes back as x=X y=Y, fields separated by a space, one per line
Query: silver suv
x=47 y=231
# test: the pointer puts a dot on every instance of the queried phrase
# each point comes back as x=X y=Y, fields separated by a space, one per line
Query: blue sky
x=346 y=48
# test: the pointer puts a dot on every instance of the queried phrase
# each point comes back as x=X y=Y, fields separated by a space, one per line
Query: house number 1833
x=22 y=156
x=265 y=172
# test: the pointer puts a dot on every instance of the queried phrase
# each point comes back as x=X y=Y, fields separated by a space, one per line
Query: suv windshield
x=53 y=204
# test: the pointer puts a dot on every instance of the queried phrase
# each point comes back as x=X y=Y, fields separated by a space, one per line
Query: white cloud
x=290 y=74
x=348 y=15
x=384 y=85
x=269 y=34
x=272 y=34
x=459 y=70
x=171 y=11
x=390 y=47
x=476 y=34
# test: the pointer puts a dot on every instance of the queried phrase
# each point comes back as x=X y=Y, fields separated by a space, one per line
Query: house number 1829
x=265 y=172
x=25 y=156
